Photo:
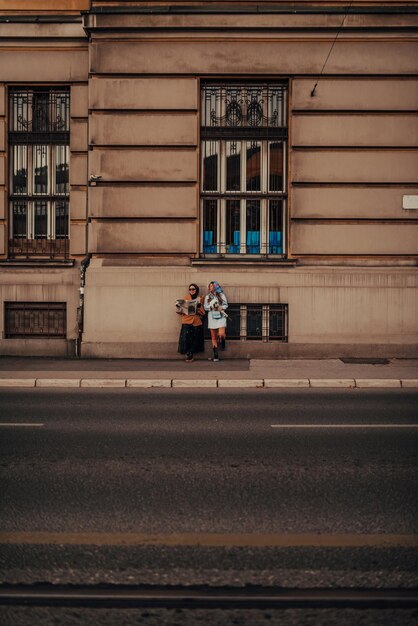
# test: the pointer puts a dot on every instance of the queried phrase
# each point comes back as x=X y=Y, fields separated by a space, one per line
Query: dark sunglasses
x=192 y=288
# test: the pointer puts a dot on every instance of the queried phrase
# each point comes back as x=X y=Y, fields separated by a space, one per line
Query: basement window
x=35 y=320
x=256 y=322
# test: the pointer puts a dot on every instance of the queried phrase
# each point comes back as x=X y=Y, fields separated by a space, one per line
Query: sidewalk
x=245 y=373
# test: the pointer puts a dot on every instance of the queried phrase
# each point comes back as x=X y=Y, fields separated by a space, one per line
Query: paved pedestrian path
x=228 y=373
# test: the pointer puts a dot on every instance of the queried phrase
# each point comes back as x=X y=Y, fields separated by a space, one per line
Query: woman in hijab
x=215 y=304
x=191 y=338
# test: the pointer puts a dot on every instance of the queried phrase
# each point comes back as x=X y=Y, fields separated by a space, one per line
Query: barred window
x=35 y=319
x=243 y=169
x=39 y=171
x=252 y=322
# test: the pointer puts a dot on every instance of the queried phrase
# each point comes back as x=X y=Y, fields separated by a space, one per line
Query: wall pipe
x=80 y=311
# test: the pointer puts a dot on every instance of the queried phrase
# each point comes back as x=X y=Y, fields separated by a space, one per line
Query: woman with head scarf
x=215 y=304
x=191 y=310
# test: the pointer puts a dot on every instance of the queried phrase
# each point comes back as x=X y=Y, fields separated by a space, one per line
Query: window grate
x=35 y=319
x=244 y=105
x=256 y=322
x=39 y=114
x=243 y=169
x=39 y=124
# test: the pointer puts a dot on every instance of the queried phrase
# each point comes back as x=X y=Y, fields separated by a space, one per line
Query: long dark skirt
x=191 y=339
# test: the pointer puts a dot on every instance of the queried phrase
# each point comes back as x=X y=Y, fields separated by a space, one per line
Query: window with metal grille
x=35 y=319
x=252 y=322
x=39 y=138
x=243 y=169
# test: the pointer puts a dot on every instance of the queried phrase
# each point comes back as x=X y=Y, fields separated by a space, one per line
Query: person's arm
x=224 y=301
x=206 y=304
x=200 y=308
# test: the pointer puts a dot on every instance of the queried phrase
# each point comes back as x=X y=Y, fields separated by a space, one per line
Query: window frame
x=47 y=130
x=221 y=138
x=21 y=317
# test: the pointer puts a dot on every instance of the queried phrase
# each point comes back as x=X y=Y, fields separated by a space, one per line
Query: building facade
x=267 y=145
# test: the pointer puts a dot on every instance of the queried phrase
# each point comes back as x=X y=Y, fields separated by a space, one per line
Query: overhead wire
x=330 y=50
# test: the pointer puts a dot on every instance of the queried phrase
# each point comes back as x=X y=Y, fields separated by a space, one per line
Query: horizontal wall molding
x=143 y=148
x=141 y=183
x=150 y=218
x=353 y=184
x=353 y=112
x=98 y=75
x=155 y=146
x=354 y=220
x=352 y=148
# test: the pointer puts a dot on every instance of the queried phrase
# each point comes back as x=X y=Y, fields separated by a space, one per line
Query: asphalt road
x=241 y=483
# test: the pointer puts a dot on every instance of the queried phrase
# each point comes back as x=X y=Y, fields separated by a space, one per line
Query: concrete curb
x=368 y=383
x=147 y=383
x=286 y=382
x=337 y=382
x=211 y=383
x=103 y=382
x=57 y=382
x=17 y=382
x=184 y=382
x=243 y=382
x=409 y=383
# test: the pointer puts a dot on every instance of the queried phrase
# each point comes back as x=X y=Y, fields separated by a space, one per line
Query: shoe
x=215 y=358
x=189 y=358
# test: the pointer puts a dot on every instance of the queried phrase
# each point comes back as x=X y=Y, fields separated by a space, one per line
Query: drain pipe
x=80 y=311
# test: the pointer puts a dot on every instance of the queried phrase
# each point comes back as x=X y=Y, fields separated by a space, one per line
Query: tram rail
x=121 y=596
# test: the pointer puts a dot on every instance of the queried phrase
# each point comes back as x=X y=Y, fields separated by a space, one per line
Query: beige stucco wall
x=352 y=155
x=146 y=129
x=53 y=54
x=336 y=312
x=145 y=93
x=355 y=129
x=231 y=55
x=79 y=123
x=354 y=166
x=158 y=200
x=145 y=164
x=349 y=201
x=351 y=238
x=40 y=285
x=141 y=237
x=351 y=94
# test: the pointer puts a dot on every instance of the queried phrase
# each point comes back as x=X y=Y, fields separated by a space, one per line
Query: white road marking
x=344 y=425
x=27 y=425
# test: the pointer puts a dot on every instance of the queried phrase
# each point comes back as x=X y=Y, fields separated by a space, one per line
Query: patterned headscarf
x=216 y=286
